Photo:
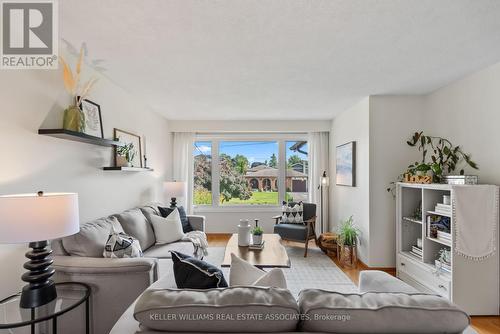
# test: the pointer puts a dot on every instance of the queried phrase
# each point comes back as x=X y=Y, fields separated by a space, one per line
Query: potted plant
x=126 y=155
x=257 y=232
x=347 y=240
x=74 y=118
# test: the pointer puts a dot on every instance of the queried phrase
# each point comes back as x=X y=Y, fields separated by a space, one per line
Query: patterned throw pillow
x=292 y=213
x=120 y=245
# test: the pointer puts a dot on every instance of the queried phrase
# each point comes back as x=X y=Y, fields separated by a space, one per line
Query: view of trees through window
x=248 y=172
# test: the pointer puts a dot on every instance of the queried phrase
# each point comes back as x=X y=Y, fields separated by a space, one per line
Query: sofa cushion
x=333 y=312
x=92 y=238
x=163 y=251
x=186 y=225
x=136 y=225
x=242 y=272
x=169 y=229
x=235 y=309
x=150 y=210
x=191 y=273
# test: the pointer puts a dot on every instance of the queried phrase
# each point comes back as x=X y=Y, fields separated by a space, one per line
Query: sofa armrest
x=197 y=222
x=114 y=283
x=380 y=281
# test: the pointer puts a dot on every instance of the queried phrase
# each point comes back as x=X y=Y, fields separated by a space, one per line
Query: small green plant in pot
x=257 y=235
x=126 y=155
x=347 y=240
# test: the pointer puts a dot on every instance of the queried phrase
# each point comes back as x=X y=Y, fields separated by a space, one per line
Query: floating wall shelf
x=128 y=169
x=78 y=136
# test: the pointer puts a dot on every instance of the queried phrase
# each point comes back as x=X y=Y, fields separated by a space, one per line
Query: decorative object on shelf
x=174 y=190
x=92 y=117
x=327 y=242
x=347 y=239
x=346 y=164
x=257 y=235
x=418 y=211
x=461 y=179
x=324 y=182
x=144 y=153
x=422 y=179
x=74 y=117
x=36 y=218
x=129 y=154
x=444 y=158
x=244 y=233
x=419 y=243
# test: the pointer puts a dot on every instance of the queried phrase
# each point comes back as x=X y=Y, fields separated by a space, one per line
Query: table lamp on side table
x=174 y=190
x=37 y=218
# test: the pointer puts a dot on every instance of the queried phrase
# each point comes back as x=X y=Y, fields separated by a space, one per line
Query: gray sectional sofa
x=383 y=304
x=115 y=283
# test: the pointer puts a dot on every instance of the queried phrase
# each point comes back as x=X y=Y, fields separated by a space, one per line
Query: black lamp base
x=41 y=289
x=173 y=202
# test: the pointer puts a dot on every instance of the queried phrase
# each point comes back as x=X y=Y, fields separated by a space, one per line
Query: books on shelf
x=444 y=235
x=257 y=246
x=443 y=266
x=416 y=251
x=443 y=209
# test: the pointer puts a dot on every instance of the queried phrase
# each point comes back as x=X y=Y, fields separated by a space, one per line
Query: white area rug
x=315 y=271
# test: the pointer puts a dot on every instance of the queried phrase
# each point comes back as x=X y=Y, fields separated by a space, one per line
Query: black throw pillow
x=191 y=273
x=186 y=225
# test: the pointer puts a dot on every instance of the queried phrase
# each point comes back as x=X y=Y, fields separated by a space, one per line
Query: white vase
x=257 y=239
x=244 y=233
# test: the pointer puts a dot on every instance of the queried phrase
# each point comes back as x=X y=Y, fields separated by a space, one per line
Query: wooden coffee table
x=272 y=256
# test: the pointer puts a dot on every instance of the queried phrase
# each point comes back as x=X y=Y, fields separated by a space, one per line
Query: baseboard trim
x=389 y=270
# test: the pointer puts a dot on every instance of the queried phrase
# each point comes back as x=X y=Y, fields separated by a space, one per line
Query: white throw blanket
x=200 y=243
x=475 y=220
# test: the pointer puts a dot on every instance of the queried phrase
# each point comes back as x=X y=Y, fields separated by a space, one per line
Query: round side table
x=69 y=296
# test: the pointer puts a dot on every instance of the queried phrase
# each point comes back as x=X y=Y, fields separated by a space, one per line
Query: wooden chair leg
x=307 y=245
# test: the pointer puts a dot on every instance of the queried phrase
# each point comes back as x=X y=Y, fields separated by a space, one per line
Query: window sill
x=239 y=208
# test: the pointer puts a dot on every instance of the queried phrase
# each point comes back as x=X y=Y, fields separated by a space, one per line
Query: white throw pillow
x=243 y=273
x=167 y=229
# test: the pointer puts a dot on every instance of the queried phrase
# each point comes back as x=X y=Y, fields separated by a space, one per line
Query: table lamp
x=173 y=190
x=37 y=218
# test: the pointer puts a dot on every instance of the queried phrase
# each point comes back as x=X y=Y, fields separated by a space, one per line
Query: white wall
x=352 y=125
x=31 y=162
x=468 y=113
x=392 y=120
x=250 y=126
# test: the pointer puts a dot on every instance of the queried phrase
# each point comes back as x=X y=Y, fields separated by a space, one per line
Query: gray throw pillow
x=136 y=225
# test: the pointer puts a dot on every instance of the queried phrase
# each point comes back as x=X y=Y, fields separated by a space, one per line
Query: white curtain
x=182 y=165
x=319 y=163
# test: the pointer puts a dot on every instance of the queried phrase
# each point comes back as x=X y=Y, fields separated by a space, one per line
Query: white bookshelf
x=473 y=285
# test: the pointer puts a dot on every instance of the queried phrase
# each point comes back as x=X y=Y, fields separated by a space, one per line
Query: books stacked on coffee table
x=416 y=251
x=257 y=246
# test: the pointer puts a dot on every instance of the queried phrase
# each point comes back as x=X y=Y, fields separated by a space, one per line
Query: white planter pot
x=257 y=239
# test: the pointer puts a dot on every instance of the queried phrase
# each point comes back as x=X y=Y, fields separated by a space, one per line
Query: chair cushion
x=92 y=238
x=163 y=251
x=136 y=225
x=191 y=273
x=296 y=232
x=230 y=310
x=333 y=312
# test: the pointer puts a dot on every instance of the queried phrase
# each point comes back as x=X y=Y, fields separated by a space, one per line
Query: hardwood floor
x=483 y=325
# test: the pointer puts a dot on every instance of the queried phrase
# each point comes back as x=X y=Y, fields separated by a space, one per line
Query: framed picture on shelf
x=130 y=153
x=346 y=164
x=93 y=118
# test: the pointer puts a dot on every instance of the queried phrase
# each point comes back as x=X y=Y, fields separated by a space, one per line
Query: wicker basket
x=328 y=243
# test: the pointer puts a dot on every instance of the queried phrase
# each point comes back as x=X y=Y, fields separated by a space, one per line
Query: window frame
x=215 y=139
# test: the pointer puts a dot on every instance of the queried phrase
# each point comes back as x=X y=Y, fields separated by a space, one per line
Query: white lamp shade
x=31 y=217
x=175 y=189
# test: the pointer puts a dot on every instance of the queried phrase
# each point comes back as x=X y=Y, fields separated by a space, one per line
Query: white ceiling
x=276 y=59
